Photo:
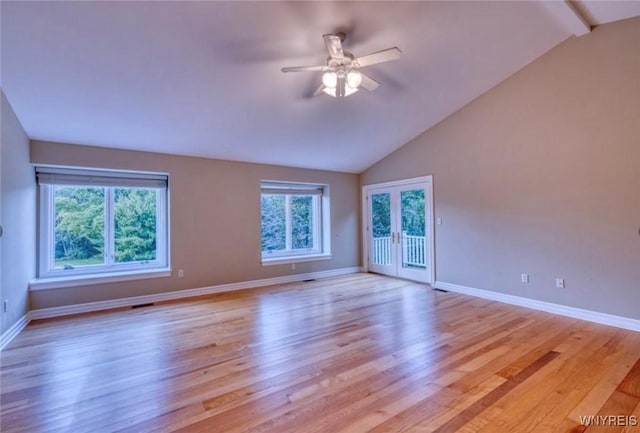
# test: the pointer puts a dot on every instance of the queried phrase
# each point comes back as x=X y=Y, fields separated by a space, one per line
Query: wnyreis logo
x=609 y=420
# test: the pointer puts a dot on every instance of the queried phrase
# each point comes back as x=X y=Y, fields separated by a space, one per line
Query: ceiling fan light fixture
x=330 y=80
x=341 y=76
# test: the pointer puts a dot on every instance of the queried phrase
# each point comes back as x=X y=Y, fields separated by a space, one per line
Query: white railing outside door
x=413 y=251
x=381 y=251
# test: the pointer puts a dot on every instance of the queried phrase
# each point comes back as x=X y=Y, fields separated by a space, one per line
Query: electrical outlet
x=438 y=221
x=560 y=283
x=524 y=278
x=180 y=273
x=293 y=265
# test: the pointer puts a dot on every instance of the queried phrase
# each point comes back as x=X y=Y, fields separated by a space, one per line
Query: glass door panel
x=413 y=241
x=381 y=232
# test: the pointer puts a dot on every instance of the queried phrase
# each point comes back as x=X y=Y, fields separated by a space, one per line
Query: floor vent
x=441 y=290
x=150 y=304
x=309 y=280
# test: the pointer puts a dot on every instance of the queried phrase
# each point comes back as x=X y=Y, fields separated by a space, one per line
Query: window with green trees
x=292 y=219
x=94 y=222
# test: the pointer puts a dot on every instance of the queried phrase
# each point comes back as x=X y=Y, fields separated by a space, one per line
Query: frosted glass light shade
x=330 y=80
x=354 y=79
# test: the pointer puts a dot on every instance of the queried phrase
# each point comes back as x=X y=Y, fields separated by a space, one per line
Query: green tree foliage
x=273 y=222
x=274 y=208
x=301 y=221
x=413 y=213
x=381 y=215
x=79 y=219
x=80 y=225
x=135 y=224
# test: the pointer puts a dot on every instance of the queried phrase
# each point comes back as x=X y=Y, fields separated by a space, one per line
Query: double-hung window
x=295 y=222
x=94 y=222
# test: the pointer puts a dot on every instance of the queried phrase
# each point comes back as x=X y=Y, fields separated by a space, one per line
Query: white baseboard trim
x=563 y=310
x=45 y=313
x=15 y=329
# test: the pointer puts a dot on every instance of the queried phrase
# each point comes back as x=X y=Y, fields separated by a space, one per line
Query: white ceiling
x=602 y=12
x=203 y=78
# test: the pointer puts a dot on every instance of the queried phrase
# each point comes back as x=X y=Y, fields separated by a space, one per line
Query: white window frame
x=321 y=249
x=46 y=214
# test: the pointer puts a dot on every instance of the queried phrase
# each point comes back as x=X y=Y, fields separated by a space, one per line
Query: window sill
x=86 y=280
x=285 y=260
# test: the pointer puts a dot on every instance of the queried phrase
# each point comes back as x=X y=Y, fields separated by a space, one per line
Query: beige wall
x=17 y=210
x=215 y=220
x=541 y=175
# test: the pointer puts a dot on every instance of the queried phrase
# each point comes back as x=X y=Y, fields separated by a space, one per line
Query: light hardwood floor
x=348 y=354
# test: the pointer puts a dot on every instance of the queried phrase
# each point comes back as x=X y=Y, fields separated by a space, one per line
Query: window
x=295 y=222
x=100 y=222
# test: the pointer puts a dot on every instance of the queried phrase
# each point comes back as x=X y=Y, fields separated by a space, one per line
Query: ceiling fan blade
x=305 y=68
x=341 y=88
x=369 y=83
x=379 y=57
x=334 y=45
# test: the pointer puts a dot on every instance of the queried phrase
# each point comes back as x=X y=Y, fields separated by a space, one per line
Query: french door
x=399 y=239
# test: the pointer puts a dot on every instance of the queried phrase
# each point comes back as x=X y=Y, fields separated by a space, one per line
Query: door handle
x=393 y=237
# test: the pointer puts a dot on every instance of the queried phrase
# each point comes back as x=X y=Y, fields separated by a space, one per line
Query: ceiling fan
x=341 y=75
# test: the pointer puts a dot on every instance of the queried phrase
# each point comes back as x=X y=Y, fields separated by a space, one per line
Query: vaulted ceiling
x=204 y=79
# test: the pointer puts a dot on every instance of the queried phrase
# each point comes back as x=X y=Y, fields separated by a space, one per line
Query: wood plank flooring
x=348 y=354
